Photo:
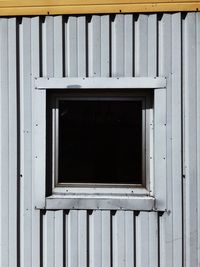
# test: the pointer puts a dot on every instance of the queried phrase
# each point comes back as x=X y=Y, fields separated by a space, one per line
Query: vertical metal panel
x=59 y=238
x=141 y=46
x=47 y=47
x=35 y=63
x=48 y=70
x=77 y=242
x=146 y=65
x=198 y=131
x=95 y=238
x=99 y=46
x=118 y=239
x=65 y=239
x=170 y=66
x=176 y=126
x=153 y=239
x=38 y=117
x=164 y=69
x=117 y=46
x=58 y=72
x=4 y=231
x=106 y=238
x=123 y=239
x=53 y=55
x=160 y=169
x=190 y=75
x=12 y=135
x=81 y=46
x=99 y=239
x=26 y=142
x=49 y=239
x=152 y=45
x=142 y=240
x=8 y=144
x=162 y=241
x=76 y=46
x=82 y=243
x=128 y=45
x=94 y=45
x=77 y=238
x=129 y=239
x=72 y=238
x=58 y=46
x=105 y=45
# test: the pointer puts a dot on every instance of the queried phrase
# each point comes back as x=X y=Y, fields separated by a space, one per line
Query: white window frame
x=92 y=188
x=115 y=197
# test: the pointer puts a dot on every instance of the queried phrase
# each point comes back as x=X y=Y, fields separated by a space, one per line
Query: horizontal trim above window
x=45 y=7
x=101 y=83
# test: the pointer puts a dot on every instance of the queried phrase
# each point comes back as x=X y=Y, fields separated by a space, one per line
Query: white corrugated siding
x=101 y=46
x=191 y=97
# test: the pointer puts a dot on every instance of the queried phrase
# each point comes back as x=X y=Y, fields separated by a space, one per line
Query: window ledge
x=56 y=202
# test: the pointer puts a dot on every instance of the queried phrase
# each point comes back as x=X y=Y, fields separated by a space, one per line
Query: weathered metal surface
x=165 y=45
x=191 y=103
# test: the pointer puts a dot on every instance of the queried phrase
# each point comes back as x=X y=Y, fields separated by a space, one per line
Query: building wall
x=57 y=7
x=99 y=46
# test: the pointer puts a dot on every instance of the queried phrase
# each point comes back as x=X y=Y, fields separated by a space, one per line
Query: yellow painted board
x=35 y=3
x=53 y=7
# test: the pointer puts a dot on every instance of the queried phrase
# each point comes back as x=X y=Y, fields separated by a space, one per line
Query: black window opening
x=100 y=140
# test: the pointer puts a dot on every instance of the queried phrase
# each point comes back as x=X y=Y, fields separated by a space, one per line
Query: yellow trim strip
x=44 y=7
x=36 y=3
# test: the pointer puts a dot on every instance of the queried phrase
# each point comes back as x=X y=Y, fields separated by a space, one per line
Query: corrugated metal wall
x=76 y=46
x=191 y=104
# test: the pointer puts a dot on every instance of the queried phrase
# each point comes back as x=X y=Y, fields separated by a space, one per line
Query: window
x=98 y=139
x=99 y=142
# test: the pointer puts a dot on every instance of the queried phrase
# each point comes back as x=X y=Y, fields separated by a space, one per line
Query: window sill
x=103 y=189
x=104 y=202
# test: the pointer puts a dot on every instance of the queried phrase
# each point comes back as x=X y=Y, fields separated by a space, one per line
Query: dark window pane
x=100 y=141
